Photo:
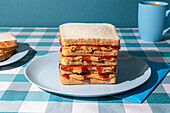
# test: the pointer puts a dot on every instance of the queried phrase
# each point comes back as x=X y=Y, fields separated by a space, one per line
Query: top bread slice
x=7 y=40
x=88 y=34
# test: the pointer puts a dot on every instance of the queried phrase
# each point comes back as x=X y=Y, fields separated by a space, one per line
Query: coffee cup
x=152 y=20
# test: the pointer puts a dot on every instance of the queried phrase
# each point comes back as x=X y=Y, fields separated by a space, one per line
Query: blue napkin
x=139 y=94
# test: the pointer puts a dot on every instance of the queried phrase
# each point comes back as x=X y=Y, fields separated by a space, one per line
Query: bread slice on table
x=7 y=40
x=88 y=34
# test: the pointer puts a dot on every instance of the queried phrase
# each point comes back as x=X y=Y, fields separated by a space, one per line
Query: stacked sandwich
x=8 y=45
x=88 y=53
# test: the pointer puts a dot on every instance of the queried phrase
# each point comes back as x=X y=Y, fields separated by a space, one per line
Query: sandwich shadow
x=21 y=48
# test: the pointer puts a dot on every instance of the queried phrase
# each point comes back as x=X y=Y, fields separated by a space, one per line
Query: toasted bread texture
x=7 y=40
x=88 y=34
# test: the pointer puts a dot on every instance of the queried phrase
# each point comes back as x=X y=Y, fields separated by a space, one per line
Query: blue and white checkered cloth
x=17 y=94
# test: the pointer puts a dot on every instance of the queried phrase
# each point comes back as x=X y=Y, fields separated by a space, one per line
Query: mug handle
x=166 y=30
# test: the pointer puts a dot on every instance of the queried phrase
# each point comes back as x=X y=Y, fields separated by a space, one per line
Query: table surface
x=17 y=94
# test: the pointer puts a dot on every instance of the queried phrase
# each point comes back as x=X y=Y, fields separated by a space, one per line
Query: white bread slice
x=7 y=40
x=88 y=34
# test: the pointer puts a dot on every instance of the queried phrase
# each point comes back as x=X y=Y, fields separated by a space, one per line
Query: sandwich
x=88 y=53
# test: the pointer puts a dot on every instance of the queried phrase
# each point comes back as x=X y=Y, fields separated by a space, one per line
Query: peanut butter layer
x=83 y=52
x=73 y=81
x=83 y=76
x=94 y=76
x=93 y=70
x=72 y=63
x=88 y=49
x=93 y=60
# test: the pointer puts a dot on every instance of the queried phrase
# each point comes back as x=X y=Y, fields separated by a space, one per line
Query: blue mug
x=152 y=19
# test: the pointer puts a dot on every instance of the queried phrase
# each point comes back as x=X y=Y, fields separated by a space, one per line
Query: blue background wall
x=122 y=13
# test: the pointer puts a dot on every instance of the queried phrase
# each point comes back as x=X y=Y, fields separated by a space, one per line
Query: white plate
x=44 y=73
x=21 y=51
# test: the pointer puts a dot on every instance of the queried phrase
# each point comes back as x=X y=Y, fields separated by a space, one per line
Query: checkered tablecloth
x=17 y=94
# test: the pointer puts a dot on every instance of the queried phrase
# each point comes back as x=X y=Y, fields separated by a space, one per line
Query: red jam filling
x=105 y=76
x=60 y=49
x=85 y=70
x=66 y=76
x=99 y=70
x=85 y=77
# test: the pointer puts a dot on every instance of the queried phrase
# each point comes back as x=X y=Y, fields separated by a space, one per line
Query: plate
x=21 y=51
x=44 y=73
